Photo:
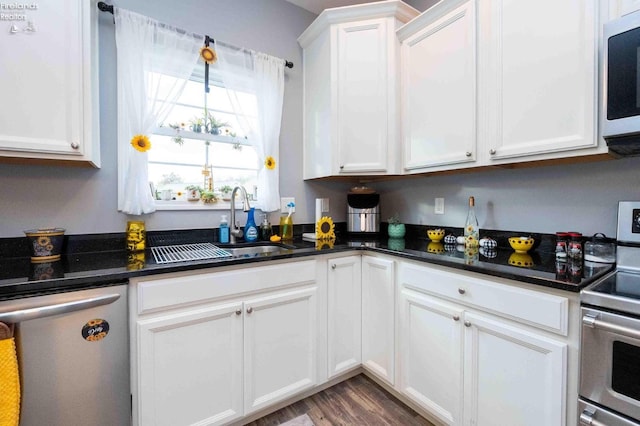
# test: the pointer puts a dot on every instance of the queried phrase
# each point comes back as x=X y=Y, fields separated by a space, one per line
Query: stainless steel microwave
x=621 y=84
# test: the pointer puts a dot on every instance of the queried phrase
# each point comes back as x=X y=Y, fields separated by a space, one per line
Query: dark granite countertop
x=19 y=277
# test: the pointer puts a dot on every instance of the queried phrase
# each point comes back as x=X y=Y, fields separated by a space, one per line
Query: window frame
x=187 y=134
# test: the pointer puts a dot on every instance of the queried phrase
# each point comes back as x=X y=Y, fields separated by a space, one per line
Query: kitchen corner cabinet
x=344 y=285
x=472 y=351
x=203 y=344
x=49 y=79
x=378 y=317
x=438 y=87
x=351 y=58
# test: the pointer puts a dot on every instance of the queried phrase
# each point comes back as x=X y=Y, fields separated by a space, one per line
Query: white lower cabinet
x=430 y=355
x=512 y=374
x=221 y=346
x=344 y=304
x=280 y=346
x=466 y=367
x=204 y=354
x=378 y=317
x=186 y=376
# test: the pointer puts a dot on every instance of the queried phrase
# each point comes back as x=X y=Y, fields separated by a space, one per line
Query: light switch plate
x=439 y=206
x=283 y=204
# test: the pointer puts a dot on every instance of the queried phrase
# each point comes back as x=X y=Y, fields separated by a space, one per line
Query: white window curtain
x=154 y=63
x=263 y=75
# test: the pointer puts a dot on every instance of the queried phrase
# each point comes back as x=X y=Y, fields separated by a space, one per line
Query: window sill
x=175 y=205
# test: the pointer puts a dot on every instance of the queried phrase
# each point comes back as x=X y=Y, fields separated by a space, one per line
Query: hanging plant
x=177 y=138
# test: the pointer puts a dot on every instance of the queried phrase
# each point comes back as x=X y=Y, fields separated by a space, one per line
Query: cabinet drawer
x=163 y=293
x=537 y=308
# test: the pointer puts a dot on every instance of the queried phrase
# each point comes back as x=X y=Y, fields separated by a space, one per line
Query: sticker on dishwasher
x=95 y=330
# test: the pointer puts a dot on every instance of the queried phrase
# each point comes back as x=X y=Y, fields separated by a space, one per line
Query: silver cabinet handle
x=238 y=312
x=334 y=266
x=61 y=308
x=75 y=145
x=593 y=322
x=468 y=153
x=249 y=309
x=467 y=324
x=462 y=291
x=456 y=317
x=586 y=418
x=492 y=151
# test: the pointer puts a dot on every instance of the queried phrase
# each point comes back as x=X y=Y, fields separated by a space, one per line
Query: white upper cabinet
x=48 y=78
x=490 y=82
x=438 y=87
x=538 y=79
x=351 y=57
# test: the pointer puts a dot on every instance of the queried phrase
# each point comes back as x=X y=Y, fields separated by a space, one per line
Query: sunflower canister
x=45 y=243
x=136 y=235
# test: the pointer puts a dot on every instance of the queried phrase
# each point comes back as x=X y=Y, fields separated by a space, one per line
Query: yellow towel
x=9 y=384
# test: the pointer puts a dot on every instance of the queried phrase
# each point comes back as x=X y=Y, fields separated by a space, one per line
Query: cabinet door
x=344 y=314
x=430 y=354
x=190 y=367
x=439 y=89
x=378 y=317
x=280 y=336
x=512 y=375
x=363 y=98
x=541 y=78
x=47 y=78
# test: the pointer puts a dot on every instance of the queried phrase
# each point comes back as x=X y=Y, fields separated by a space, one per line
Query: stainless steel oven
x=610 y=335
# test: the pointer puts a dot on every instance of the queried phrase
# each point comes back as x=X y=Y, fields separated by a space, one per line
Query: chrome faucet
x=235 y=231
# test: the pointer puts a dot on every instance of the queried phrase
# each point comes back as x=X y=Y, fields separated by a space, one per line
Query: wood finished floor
x=357 y=401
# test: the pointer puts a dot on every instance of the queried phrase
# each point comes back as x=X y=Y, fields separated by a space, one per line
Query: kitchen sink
x=207 y=251
x=258 y=250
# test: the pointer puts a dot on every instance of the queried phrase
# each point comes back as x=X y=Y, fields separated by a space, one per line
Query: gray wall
x=576 y=197
x=579 y=197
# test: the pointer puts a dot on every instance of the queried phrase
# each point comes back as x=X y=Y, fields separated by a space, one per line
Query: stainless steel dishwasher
x=73 y=357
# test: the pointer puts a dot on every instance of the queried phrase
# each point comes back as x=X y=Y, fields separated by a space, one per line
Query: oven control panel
x=629 y=221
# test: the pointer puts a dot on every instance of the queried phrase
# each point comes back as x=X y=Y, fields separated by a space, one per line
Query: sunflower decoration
x=325 y=229
x=208 y=55
x=141 y=143
x=325 y=244
x=270 y=163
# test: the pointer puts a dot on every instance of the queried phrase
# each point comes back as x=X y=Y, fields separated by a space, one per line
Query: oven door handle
x=592 y=321
x=57 y=309
x=586 y=418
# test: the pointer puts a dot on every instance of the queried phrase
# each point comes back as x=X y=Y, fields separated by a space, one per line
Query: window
x=190 y=151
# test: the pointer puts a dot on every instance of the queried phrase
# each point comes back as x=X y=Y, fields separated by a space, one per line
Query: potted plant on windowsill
x=196 y=124
x=213 y=125
x=193 y=192
x=395 y=228
x=208 y=197
x=226 y=192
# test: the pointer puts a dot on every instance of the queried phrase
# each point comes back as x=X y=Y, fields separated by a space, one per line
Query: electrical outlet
x=439 y=206
x=283 y=204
